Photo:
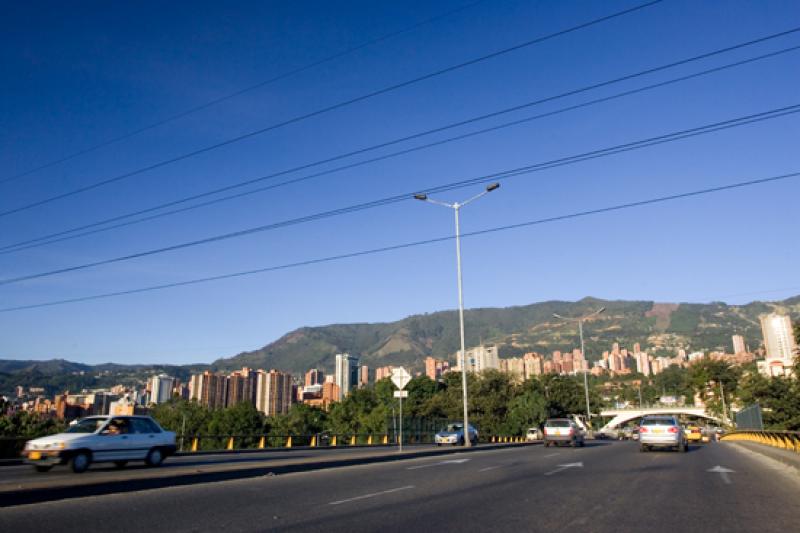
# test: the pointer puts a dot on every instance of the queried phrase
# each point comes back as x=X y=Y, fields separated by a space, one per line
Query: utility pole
x=580 y=321
x=463 y=356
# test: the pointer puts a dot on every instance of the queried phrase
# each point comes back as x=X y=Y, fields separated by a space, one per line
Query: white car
x=116 y=439
x=533 y=434
x=454 y=434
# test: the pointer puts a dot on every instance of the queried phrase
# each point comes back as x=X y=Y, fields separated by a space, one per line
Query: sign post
x=400 y=378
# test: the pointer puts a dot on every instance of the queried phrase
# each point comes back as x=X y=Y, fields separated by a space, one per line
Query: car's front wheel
x=154 y=457
x=80 y=462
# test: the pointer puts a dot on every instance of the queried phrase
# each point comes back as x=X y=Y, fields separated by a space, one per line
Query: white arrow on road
x=440 y=463
x=564 y=467
x=723 y=472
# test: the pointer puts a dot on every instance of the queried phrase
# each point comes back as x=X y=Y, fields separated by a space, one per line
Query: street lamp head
x=492 y=187
x=421 y=196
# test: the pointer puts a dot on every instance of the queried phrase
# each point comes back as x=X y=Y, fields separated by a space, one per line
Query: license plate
x=658 y=431
x=34 y=456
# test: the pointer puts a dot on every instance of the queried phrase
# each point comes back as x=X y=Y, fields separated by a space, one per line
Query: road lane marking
x=371 y=495
x=723 y=473
x=490 y=468
x=564 y=467
x=552 y=455
x=440 y=463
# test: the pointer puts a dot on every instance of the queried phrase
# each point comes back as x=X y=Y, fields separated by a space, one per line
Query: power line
x=323 y=110
x=373 y=251
x=237 y=93
x=72 y=233
x=519 y=171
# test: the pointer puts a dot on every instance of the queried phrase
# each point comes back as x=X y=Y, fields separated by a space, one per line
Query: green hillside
x=663 y=327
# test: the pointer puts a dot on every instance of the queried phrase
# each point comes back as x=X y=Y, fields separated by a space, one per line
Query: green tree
x=528 y=408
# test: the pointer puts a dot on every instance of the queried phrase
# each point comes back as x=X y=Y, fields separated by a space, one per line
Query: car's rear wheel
x=80 y=462
x=684 y=447
x=120 y=464
x=43 y=468
x=154 y=457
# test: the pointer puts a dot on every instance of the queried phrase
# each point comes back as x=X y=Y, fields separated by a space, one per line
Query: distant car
x=635 y=434
x=625 y=434
x=95 y=439
x=454 y=434
x=533 y=434
x=562 y=431
x=693 y=433
x=661 y=432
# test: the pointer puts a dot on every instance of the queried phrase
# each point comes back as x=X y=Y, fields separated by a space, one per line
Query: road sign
x=400 y=377
x=401 y=394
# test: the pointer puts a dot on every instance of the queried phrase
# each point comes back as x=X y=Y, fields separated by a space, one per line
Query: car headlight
x=58 y=445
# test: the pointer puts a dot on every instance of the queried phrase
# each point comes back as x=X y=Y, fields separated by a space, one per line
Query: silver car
x=661 y=432
x=562 y=431
x=454 y=434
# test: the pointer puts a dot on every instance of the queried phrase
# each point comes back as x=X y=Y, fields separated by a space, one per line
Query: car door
x=145 y=435
x=112 y=442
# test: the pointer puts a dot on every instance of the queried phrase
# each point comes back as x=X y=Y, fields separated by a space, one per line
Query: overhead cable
x=506 y=174
x=384 y=249
x=109 y=223
x=321 y=111
x=230 y=96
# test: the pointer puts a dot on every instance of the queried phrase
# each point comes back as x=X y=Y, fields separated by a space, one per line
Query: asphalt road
x=606 y=486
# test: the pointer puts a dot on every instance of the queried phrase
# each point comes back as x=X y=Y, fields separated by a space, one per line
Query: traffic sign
x=400 y=377
x=401 y=394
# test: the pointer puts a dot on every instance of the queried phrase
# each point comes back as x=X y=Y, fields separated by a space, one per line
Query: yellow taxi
x=693 y=433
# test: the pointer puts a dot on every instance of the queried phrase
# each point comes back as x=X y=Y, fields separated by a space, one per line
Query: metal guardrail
x=11 y=447
x=787 y=440
x=197 y=443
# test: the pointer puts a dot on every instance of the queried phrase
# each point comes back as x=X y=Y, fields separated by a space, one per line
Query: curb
x=37 y=495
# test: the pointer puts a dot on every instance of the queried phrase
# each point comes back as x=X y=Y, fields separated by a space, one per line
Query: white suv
x=661 y=432
x=116 y=439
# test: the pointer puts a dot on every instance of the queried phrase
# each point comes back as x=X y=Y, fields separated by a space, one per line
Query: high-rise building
x=214 y=390
x=481 y=358
x=434 y=368
x=195 y=387
x=314 y=377
x=383 y=372
x=235 y=389
x=363 y=376
x=273 y=392
x=738 y=344
x=533 y=364
x=780 y=345
x=346 y=373
x=161 y=388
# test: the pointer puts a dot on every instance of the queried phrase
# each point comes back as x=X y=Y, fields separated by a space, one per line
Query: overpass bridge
x=621 y=416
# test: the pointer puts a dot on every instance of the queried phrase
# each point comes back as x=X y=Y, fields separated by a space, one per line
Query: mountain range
x=661 y=327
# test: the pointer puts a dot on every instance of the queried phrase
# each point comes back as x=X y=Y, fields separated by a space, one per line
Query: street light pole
x=457 y=208
x=580 y=321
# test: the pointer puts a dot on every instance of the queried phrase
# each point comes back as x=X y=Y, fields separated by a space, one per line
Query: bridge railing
x=11 y=447
x=198 y=443
x=787 y=440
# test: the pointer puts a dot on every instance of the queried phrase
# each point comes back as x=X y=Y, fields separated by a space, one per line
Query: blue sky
x=75 y=76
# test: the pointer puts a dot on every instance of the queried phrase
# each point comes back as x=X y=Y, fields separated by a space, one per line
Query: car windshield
x=658 y=422
x=558 y=423
x=454 y=427
x=86 y=425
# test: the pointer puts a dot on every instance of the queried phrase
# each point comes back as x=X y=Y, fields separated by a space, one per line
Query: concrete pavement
x=603 y=487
